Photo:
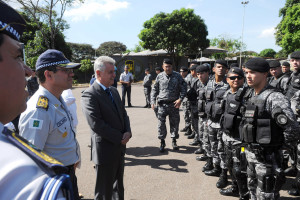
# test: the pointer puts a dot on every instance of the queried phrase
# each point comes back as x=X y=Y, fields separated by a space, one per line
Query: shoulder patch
x=43 y=102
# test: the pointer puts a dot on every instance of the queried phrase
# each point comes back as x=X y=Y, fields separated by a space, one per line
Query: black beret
x=202 y=68
x=234 y=65
x=193 y=67
x=11 y=22
x=236 y=70
x=222 y=62
x=184 y=69
x=295 y=55
x=168 y=61
x=147 y=69
x=158 y=69
x=274 y=64
x=287 y=64
x=258 y=64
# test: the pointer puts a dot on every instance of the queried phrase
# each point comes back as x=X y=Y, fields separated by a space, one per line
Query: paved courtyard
x=150 y=175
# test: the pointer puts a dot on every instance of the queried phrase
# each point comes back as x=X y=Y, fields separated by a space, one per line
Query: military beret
x=287 y=64
x=168 y=61
x=193 y=67
x=202 y=68
x=236 y=70
x=194 y=62
x=274 y=64
x=147 y=69
x=158 y=69
x=234 y=65
x=53 y=57
x=222 y=62
x=258 y=64
x=184 y=69
x=295 y=55
x=11 y=22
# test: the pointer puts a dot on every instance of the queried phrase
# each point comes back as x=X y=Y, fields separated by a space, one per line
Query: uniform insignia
x=43 y=102
x=61 y=122
x=282 y=119
x=65 y=134
x=35 y=124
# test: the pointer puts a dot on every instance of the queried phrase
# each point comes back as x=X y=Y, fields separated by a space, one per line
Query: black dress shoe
x=149 y=106
x=174 y=145
x=146 y=106
x=199 y=151
x=189 y=132
x=202 y=158
x=129 y=105
x=231 y=191
x=162 y=146
x=216 y=171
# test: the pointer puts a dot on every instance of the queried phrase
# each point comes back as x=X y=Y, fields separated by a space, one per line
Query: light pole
x=244 y=4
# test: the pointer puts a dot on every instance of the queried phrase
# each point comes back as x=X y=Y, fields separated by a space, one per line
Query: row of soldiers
x=244 y=121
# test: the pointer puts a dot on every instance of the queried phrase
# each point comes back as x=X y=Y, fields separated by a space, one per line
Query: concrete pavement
x=149 y=174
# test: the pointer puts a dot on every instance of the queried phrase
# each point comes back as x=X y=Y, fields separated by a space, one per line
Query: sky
x=98 y=21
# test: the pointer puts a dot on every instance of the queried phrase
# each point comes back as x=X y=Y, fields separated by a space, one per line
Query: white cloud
x=267 y=33
x=95 y=7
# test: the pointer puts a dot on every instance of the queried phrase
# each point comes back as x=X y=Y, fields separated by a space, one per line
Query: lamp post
x=244 y=4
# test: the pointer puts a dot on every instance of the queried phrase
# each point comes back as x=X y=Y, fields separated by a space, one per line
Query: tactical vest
x=257 y=125
x=293 y=85
x=232 y=116
x=214 y=102
x=201 y=102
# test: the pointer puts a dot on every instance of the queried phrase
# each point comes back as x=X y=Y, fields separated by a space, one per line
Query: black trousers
x=126 y=89
x=109 y=180
x=71 y=173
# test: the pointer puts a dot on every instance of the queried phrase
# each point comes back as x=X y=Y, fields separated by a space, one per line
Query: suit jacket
x=108 y=123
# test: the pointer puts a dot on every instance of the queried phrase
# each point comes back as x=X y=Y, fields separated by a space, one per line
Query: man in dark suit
x=110 y=128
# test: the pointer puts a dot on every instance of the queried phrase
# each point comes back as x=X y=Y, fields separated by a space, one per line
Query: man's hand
x=177 y=103
x=126 y=137
x=153 y=106
x=75 y=165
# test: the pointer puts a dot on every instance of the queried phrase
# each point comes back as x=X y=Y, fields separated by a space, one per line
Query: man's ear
x=48 y=74
x=98 y=73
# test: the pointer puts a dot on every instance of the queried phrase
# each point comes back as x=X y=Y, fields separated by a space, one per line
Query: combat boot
x=174 y=145
x=146 y=106
x=162 y=145
x=191 y=136
x=209 y=165
x=189 y=131
x=185 y=129
x=295 y=191
x=216 y=171
x=231 y=191
x=223 y=181
x=199 y=151
x=195 y=142
x=202 y=158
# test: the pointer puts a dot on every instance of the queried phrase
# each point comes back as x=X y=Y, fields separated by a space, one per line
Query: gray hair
x=100 y=63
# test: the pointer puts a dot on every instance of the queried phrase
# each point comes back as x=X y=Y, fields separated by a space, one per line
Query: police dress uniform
x=167 y=89
x=268 y=123
x=47 y=123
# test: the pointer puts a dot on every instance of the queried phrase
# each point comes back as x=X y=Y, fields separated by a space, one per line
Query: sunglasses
x=235 y=77
x=65 y=70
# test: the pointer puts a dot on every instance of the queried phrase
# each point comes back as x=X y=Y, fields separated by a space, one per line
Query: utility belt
x=261 y=151
x=161 y=102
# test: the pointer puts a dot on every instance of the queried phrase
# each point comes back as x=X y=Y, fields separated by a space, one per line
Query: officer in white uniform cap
x=25 y=172
x=47 y=122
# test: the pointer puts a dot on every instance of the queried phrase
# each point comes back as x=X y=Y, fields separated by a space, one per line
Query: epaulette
x=33 y=152
x=43 y=102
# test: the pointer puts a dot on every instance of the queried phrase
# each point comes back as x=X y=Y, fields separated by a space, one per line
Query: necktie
x=107 y=90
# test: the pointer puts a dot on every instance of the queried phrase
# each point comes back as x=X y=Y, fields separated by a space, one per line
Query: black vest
x=201 y=102
x=257 y=125
x=293 y=85
x=232 y=116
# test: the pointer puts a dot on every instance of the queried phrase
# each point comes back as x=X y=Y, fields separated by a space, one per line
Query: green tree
x=81 y=51
x=111 y=47
x=288 y=30
x=181 y=32
x=86 y=66
x=268 y=53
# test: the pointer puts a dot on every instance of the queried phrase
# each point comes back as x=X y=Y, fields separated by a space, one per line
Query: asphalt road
x=149 y=174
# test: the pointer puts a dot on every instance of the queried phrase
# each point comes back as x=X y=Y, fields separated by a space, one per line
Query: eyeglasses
x=65 y=70
x=235 y=77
